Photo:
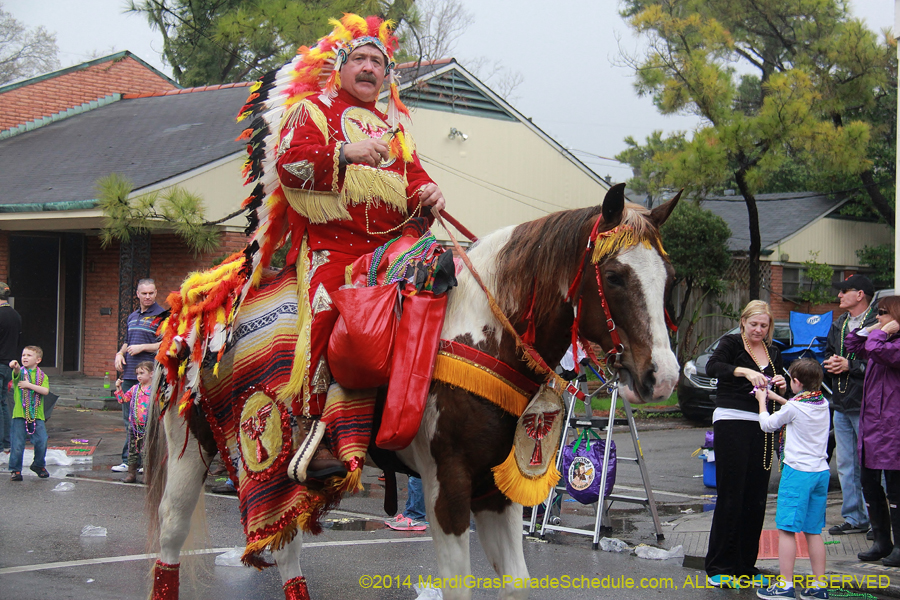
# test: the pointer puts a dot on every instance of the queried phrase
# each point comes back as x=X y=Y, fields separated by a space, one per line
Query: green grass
x=602 y=403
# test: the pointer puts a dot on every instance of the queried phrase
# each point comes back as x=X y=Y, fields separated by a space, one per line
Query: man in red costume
x=355 y=180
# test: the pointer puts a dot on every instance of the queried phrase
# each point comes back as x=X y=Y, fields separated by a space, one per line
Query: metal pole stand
x=602 y=522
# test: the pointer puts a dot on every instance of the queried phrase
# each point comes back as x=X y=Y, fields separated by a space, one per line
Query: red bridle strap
x=617 y=346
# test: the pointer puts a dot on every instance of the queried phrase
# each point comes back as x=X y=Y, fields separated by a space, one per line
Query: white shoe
x=141 y=471
x=120 y=468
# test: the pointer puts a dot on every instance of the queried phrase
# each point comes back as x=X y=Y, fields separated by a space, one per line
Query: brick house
x=793 y=228
x=72 y=292
x=60 y=133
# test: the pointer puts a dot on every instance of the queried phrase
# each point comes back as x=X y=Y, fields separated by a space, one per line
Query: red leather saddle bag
x=418 y=336
x=361 y=345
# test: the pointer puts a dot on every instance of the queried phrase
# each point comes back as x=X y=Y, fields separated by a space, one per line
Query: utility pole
x=897 y=165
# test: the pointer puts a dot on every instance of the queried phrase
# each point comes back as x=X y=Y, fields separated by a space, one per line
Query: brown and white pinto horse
x=529 y=269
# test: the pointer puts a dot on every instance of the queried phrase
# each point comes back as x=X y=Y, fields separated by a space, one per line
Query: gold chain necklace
x=769 y=439
x=852 y=355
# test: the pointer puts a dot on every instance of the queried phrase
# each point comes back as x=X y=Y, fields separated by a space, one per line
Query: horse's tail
x=155 y=459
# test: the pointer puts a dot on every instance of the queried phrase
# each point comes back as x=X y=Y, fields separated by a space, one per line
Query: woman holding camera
x=744 y=454
x=879 y=428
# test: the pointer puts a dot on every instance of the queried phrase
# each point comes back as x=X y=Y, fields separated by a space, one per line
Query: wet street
x=43 y=554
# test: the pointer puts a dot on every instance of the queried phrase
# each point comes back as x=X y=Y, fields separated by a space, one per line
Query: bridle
x=525 y=342
x=618 y=348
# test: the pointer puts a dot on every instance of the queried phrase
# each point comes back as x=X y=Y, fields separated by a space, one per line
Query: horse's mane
x=542 y=257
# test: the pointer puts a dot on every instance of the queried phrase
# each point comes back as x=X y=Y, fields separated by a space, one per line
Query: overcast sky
x=571 y=87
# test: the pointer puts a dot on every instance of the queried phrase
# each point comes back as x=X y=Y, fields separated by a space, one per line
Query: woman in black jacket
x=744 y=454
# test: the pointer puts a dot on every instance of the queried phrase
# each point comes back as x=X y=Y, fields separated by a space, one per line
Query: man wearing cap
x=10 y=330
x=353 y=179
x=847 y=375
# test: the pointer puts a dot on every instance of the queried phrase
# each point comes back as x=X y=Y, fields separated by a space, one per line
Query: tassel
x=516 y=486
x=458 y=373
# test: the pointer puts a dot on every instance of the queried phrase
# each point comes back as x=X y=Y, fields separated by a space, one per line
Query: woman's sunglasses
x=882 y=312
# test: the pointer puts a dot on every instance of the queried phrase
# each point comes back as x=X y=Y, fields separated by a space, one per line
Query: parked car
x=697 y=390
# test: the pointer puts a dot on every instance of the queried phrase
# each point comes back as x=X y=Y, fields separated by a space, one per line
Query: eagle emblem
x=254 y=427
x=537 y=426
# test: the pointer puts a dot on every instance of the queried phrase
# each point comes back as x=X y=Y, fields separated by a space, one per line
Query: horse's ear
x=614 y=203
x=661 y=213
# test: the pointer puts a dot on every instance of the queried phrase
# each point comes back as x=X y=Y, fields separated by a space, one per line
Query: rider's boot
x=314 y=460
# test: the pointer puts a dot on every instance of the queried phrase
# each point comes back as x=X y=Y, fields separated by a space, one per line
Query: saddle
x=391 y=315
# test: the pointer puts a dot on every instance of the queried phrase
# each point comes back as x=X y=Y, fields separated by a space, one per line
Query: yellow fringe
x=275 y=541
x=612 y=241
x=318 y=207
x=365 y=184
x=294 y=116
x=520 y=488
x=297 y=384
x=477 y=380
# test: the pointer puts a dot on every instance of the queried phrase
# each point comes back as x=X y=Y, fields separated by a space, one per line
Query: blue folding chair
x=809 y=334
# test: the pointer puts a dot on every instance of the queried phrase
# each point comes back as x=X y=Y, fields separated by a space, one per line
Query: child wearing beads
x=803 y=489
x=139 y=396
x=30 y=385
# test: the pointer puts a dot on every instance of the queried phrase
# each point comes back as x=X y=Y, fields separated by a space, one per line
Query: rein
x=531 y=356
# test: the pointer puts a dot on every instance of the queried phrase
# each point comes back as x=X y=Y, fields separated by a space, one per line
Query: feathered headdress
x=314 y=70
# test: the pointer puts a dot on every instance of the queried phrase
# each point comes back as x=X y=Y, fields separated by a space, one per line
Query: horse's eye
x=615 y=279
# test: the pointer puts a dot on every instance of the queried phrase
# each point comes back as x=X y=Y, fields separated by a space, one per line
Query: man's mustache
x=368 y=77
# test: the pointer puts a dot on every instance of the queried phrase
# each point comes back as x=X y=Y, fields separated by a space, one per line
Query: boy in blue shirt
x=803 y=489
x=30 y=385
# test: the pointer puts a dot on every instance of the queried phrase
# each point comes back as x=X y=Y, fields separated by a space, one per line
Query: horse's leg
x=288 y=561
x=500 y=534
x=184 y=480
x=449 y=519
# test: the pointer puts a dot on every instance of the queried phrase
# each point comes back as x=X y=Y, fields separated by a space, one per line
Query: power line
x=489 y=185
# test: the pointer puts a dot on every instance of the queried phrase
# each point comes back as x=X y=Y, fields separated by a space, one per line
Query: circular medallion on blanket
x=361 y=124
x=265 y=433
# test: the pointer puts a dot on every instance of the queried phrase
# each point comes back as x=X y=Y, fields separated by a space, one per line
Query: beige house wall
x=504 y=173
x=836 y=241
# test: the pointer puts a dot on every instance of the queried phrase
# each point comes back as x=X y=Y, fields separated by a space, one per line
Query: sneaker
x=120 y=468
x=141 y=471
x=760 y=581
x=224 y=488
x=15 y=476
x=722 y=581
x=41 y=472
x=847 y=527
x=401 y=523
x=775 y=591
x=816 y=593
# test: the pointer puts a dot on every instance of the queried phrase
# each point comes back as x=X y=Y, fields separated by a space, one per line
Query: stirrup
x=297 y=467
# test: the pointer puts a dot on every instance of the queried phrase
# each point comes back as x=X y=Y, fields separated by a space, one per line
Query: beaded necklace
x=769 y=441
x=852 y=355
x=138 y=429
x=30 y=398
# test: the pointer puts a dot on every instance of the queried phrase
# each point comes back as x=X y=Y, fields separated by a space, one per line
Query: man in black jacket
x=10 y=329
x=847 y=374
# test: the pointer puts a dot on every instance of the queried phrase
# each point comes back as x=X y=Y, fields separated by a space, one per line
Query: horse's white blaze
x=650 y=270
x=468 y=311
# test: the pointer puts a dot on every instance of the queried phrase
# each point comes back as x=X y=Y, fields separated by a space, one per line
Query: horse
x=547 y=282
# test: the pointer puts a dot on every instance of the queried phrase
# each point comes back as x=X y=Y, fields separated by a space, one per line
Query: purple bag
x=708 y=442
x=582 y=462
